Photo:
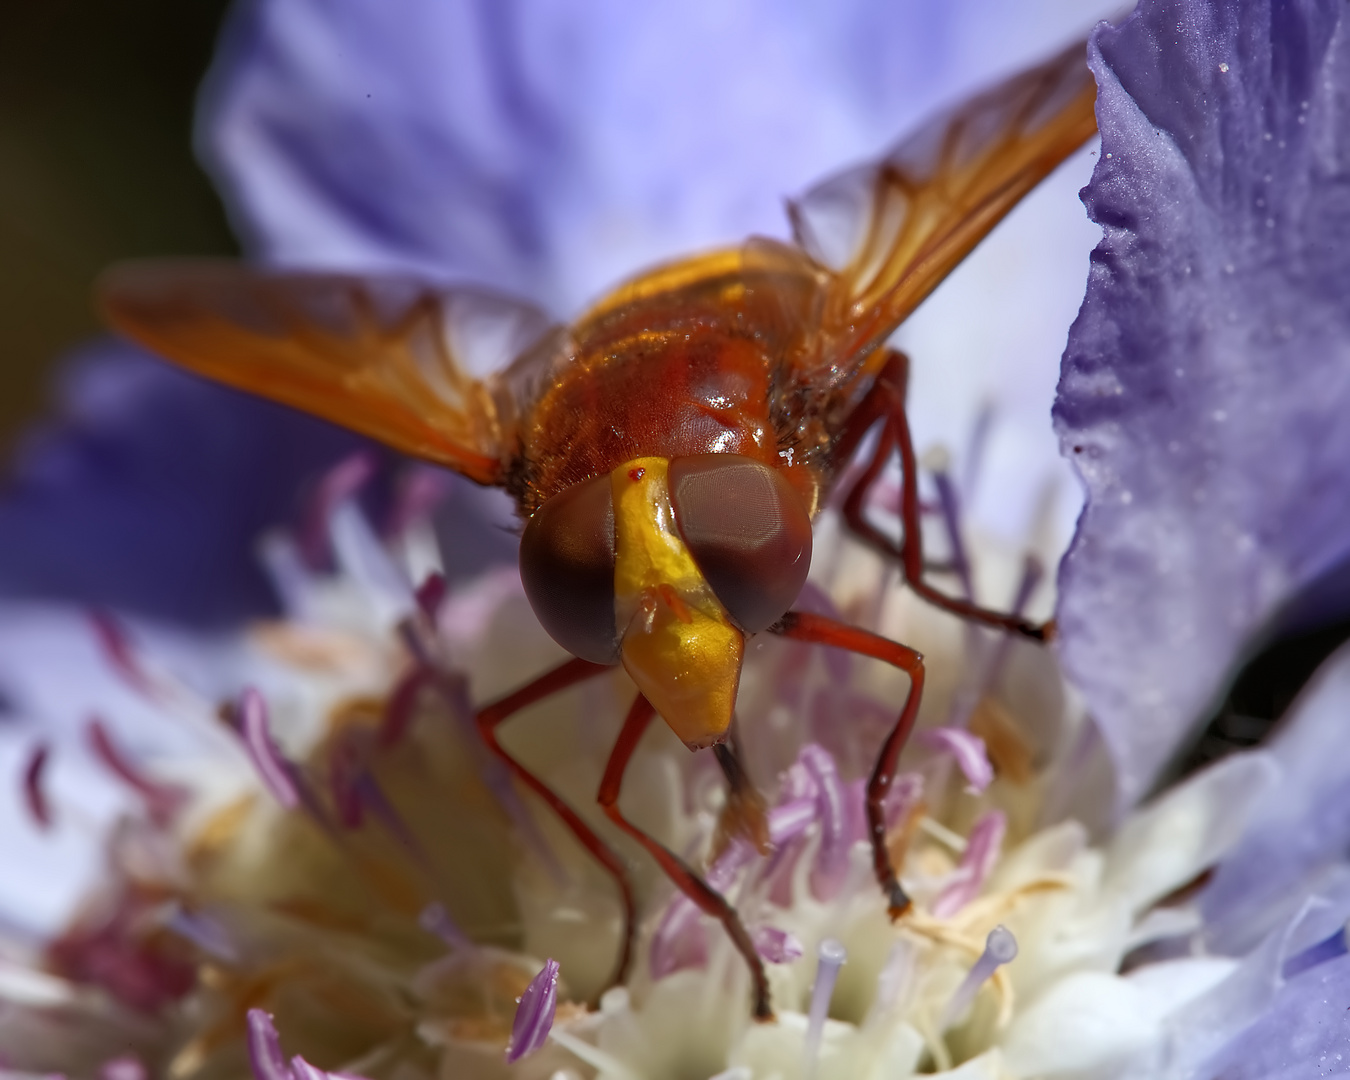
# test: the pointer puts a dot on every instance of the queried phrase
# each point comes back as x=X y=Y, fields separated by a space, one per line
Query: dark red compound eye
x=567 y=567
x=747 y=529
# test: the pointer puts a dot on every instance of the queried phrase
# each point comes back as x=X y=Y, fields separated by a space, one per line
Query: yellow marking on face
x=679 y=646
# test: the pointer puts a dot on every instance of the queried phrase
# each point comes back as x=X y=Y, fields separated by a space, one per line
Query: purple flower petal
x=273 y=770
x=150 y=489
x=967 y=749
x=1303 y=1033
x=534 y=1014
x=1207 y=377
x=549 y=150
x=1299 y=833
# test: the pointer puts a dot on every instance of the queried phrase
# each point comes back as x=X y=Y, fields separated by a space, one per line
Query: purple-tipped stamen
x=680 y=940
x=434 y=919
x=267 y=1061
x=401 y=706
x=968 y=751
x=374 y=799
x=34 y=790
x=339 y=484
x=776 y=946
x=906 y=793
x=344 y=773
x=453 y=689
x=1329 y=948
x=264 y=1048
x=431 y=595
x=838 y=663
x=535 y=1013
x=1000 y=948
x=832 y=955
x=362 y=557
x=420 y=489
x=303 y=1070
x=831 y=865
x=291 y=579
x=206 y=933
x=120 y=653
x=272 y=768
x=975 y=448
x=162 y=801
x=977 y=862
x=950 y=504
x=790 y=819
x=788 y=822
x=1032 y=572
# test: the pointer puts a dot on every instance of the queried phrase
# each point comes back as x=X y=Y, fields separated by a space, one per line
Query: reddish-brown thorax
x=699 y=367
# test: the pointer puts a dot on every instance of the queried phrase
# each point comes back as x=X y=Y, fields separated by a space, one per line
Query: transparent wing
x=402 y=361
x=891 y=231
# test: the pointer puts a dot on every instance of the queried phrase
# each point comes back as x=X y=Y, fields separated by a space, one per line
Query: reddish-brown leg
x=886 y=402
x=822 y=630
x=688 y=882
x=560 y=678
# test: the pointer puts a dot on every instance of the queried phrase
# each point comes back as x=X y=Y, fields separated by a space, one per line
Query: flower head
x=330 y=844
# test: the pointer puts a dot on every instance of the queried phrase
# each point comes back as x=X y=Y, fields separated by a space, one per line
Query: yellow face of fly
x=679 y=645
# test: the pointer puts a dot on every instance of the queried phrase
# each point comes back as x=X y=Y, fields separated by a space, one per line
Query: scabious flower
x=328 y=861
x=354 y=864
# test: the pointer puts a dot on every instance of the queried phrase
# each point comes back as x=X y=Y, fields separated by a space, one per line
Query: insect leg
x=489 y=717
x=886 y=401
x=704 y=896
x=822 y=630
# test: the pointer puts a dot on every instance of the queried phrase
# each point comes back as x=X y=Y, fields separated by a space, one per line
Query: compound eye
x=747 y=529
x=567 y=567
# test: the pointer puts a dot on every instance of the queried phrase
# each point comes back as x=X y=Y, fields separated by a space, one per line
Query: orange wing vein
x=894 y=229
x=383 y=356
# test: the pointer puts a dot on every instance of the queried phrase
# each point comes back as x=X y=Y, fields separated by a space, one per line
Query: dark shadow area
x=1262 y=692
x=95 y=165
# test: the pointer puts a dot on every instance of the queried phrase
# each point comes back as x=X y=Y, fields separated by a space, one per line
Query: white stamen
x=602 y=1062
x=832 y=955
x=1000 y=947
x=281 y=560
x=944 y=835
x=894 y=984
x=362 y=557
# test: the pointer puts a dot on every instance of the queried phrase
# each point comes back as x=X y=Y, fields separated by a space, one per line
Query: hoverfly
x=668 y=450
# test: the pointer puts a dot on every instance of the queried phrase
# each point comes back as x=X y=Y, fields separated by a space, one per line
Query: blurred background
x=96 y=164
